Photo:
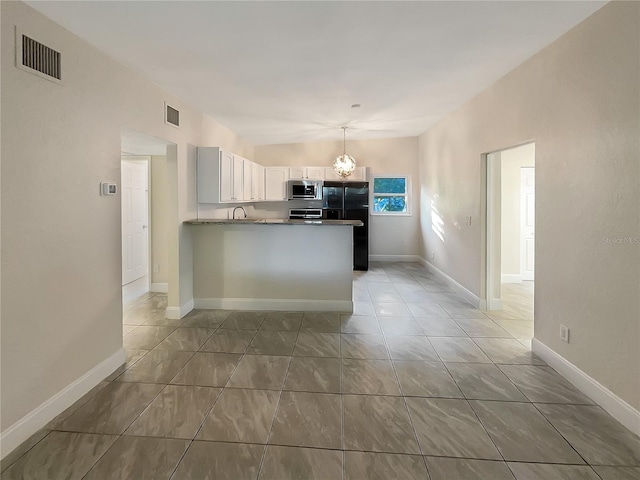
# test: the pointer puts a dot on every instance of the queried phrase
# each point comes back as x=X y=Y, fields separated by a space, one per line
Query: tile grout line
x=342 y=443
x=206 y=416
x=406 y=406
x=464 y=399
x=404 y=399
x=275 y=413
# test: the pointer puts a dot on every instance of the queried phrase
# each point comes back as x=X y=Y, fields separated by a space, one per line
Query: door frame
x=523 y=246
x=490 y=228
x=147 y=160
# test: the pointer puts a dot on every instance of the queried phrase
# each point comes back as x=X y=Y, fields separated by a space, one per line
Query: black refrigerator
x=350 y=201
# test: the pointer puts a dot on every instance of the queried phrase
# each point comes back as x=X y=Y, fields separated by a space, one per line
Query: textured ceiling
x=281 y=72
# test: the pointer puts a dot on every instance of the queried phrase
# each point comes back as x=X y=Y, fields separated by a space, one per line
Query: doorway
x=510 y=232
x=135 y=223
x=144 y=199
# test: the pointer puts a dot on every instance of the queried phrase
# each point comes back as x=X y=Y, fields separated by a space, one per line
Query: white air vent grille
x=39 y=57
x=171 y=116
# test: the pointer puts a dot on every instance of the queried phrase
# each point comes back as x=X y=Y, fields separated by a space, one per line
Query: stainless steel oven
x=305 y=214
x=304 y=190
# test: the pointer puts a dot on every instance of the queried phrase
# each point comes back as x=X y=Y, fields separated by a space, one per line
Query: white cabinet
x=209 y=181
x=257 y=182
x=296 y=172
x=221 y=176
x=247 y=180
x=306 y=173
x=315 y=173
x=358 y=175
x=275 y=181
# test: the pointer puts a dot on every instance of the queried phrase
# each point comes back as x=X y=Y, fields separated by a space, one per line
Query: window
x=391 y=195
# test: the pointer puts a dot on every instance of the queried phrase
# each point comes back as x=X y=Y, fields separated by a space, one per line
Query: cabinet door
x=315 y=173
x=257 y=182
x=297 y=173
x=238 y=166
x=261 y=184
x=330 y=174
x=359 y=174
x=247 y=184
x=276 y=183
x=226 y=176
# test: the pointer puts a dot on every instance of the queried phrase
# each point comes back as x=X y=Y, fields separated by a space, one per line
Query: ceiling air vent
x=171 y=115
x=35 y=57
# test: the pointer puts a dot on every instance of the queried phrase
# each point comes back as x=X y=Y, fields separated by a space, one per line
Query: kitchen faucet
x=234 y=212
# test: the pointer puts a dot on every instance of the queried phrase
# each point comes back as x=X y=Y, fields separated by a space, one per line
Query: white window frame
x=407 y=194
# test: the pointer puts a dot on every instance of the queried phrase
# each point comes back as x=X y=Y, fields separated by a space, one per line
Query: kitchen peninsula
x=273 y=264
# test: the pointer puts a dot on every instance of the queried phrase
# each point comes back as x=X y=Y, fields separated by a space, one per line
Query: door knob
x=144 y=226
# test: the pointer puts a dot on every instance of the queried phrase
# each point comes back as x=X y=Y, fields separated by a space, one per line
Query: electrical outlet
x=564 y=333
x=468 y=220
x=433 y=255
x=156 y=268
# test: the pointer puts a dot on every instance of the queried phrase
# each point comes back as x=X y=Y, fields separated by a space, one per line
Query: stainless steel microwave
x=304 y=189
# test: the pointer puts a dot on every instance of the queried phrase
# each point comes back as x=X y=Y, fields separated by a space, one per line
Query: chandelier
x=345 y=164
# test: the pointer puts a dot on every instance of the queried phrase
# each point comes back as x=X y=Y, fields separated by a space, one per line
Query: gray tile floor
x=416 y=384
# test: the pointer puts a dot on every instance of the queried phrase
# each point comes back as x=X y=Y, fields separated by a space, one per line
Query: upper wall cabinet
x=223 y=177
x=257 y=182
x=275 y=181
x=306 y=173
x=358 y=175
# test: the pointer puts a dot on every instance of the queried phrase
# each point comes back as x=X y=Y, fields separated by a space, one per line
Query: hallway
x=415 y=384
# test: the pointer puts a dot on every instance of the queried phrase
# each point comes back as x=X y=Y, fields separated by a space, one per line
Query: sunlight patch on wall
x=437 y=223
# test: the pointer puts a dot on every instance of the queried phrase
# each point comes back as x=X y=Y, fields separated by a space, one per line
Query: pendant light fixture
x=345 y=164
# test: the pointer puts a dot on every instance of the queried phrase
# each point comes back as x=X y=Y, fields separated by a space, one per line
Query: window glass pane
x=390 y=185
x=380 y=204
x=390 y=204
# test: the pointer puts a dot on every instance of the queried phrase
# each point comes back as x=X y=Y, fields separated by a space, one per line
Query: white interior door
x=135 y=220
x=527 y=222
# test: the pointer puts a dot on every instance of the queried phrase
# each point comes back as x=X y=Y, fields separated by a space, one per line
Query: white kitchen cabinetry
x=306 y=173
x=315 y=173
x=221 y=176
x=225 y=182
x=296 y=173
x=275 y=181
x=257 y=182
x=358 y=175
x=247 y=180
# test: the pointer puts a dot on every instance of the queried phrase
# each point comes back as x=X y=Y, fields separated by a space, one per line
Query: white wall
x=511 y=162
x=61 y=245
x=159 y=221
x=389 y=235
x=578 y=99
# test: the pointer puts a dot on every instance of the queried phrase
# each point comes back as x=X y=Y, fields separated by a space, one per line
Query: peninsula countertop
x=272 y=221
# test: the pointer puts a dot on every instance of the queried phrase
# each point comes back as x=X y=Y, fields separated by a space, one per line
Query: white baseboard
x=469 y=296
x=159 y=287
x=496 y=304
x=511 y=278
x=395 y=258
x=176 y=313
x=20 y=431
x=130 y=293
x=284 y=304
x=617 y=407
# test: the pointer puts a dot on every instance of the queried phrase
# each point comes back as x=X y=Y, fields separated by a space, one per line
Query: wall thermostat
x=108 y=189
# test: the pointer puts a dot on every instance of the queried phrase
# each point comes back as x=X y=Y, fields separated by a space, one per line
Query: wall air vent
x=171 y=115
x=35 y=57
